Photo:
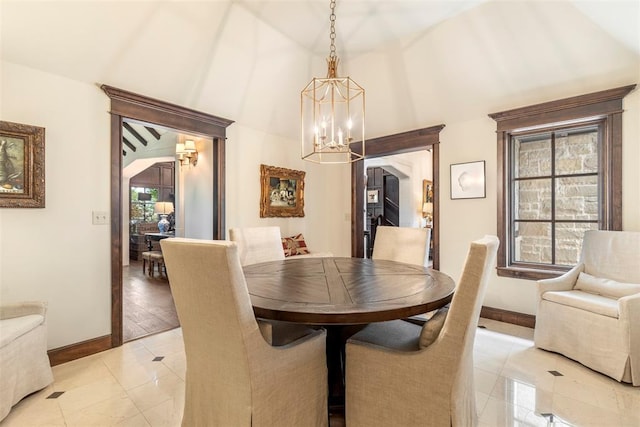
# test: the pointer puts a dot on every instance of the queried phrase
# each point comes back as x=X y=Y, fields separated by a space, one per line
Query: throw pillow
x=294 y=245
x=431 y=329
x=606 y=287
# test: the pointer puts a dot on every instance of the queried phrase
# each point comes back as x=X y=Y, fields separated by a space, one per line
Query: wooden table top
x=344 y=290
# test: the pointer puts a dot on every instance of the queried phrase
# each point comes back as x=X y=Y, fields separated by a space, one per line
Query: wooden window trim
x=604 y=105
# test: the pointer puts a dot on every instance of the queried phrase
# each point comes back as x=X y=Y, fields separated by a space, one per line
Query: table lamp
x=163 y=209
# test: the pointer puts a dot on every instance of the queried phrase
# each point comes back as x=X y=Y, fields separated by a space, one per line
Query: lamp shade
x=180 y=148
x=427 y=208
x=190 y=146
x=163 y=208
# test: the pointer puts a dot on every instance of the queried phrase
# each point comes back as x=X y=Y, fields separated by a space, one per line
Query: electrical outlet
x=100 y=218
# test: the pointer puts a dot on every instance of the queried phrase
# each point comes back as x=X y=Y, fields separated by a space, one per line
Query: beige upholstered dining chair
x=402 y=244
x=257 y=244
x=234 y=377
x=398 y=373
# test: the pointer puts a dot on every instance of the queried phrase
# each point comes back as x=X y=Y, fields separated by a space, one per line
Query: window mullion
x=553 y=198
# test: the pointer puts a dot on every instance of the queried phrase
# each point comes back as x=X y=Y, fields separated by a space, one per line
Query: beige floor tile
x=177 y=363
x=153 y=393
x=601 y=396
x=581 y=414
x=82 y=397
x=502 y=413
x=484 y=381
x=110 y=412
x=134 y=374
x=79 y=372
x=521 y=394
x=35 y=410
x=489 y=362
x=166 y=414
x=481 y=401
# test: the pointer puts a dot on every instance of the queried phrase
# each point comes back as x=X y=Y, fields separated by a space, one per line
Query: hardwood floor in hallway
x=148 y=306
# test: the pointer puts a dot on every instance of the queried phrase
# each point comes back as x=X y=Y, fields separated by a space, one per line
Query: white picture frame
x=468 y=180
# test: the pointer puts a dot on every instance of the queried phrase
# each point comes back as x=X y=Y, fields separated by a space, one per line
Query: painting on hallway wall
x=21 y=166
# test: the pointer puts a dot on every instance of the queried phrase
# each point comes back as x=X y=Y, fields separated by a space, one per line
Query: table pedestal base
x=337 y=336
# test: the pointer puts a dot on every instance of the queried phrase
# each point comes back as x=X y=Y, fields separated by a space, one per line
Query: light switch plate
x=100 y=218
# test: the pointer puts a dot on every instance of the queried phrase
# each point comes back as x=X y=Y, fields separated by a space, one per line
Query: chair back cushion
x=257 y=244
x=402 y=244
x=607 y=287
x=431 y=329
x=612 y=255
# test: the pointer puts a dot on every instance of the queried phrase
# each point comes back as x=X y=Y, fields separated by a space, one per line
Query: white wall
x=55 y=254
x=196 y=194
x=326 y=225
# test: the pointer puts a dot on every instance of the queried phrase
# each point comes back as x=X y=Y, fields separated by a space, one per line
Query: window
x=559 y=174
x=142 y=204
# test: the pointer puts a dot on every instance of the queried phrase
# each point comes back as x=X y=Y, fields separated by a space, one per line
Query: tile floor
x=142 y=384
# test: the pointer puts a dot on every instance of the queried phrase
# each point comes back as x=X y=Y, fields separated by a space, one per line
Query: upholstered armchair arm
x=560 y=283
x=26 y=308
x=629 y=312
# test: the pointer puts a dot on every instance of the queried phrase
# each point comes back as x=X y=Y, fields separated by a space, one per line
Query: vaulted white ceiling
x=422 y=62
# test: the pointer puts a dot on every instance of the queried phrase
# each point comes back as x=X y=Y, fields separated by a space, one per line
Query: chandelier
x=332 y=113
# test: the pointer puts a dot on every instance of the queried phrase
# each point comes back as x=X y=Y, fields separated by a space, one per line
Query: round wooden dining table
x=344 y=291
x=336 y=292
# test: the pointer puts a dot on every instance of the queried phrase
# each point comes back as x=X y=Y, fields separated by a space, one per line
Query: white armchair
x=591 y=314
x=24 y=364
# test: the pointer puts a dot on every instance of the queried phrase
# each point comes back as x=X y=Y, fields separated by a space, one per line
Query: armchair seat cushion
x=11 y=329
x=395 y=334
x=585 y=301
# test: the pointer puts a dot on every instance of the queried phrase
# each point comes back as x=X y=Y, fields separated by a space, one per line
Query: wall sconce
x=186 y=153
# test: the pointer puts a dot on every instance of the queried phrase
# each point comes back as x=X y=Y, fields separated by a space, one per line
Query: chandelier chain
x=332 y=34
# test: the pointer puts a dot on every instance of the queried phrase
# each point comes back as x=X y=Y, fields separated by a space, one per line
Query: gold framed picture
x=427 y=191
x=21 y=166
x=282 y=192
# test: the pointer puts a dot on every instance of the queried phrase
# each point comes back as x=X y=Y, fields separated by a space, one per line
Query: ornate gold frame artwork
x=21 y=166
x=427 y=191
x=282 y=192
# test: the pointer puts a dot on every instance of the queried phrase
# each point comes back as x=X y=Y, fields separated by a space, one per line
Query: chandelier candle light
x=332 y=114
